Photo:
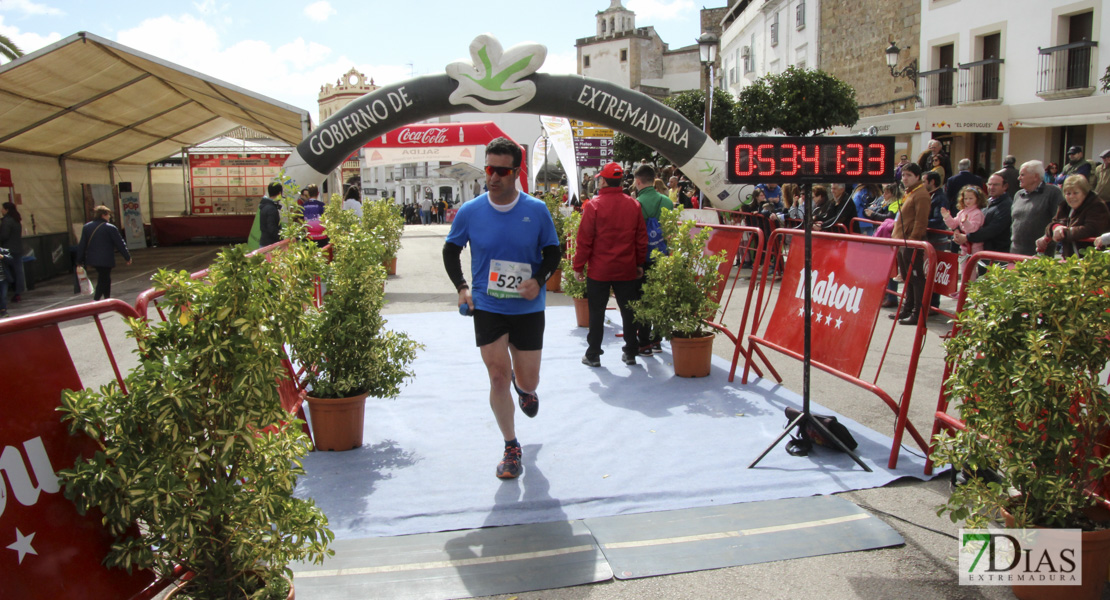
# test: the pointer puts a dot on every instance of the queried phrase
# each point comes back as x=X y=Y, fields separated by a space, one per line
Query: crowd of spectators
x=1028 y=208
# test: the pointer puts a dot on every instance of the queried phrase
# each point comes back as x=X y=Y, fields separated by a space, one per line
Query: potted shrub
x=383 y=217
x=1026 y=362
x=199 y=452
x=678 y=294
x=571 y=286
x=554 y=202
x=343 y=340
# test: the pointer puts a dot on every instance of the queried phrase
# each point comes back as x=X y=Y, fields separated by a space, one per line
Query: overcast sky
x=287 y=49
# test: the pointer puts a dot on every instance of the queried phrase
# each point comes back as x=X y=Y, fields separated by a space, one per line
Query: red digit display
x=834 y=159
x=857 y=159
x=761 y=155
x=747 y=167
x=876 y=159
x=789 y=155
x=813 y=159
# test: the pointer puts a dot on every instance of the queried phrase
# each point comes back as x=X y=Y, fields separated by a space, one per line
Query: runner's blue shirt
x=518 y=235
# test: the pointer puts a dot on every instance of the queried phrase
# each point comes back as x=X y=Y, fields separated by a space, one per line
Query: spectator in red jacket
x=612 y=244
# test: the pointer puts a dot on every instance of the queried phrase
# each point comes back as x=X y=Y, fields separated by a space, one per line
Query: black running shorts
x=525 y=331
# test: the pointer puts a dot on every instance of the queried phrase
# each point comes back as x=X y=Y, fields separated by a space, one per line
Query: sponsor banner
x=848 y=282
x=562 y=141
x=376 y=157
x=947 y=281
x=438 y=134
x=539 y=154
x=47 y=550
x=1021 y=557
x=132 y=220
x=501 y=80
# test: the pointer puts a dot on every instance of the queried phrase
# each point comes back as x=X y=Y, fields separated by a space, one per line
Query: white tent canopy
x=88 y=99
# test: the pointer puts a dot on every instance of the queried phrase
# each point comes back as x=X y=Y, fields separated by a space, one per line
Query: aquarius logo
x=492 y=83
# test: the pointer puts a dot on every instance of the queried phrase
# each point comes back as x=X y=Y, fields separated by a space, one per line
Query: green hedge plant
x=1026 y=365
x=571 y=286
x=185 y=453
x=344 y=339
x=678 y=291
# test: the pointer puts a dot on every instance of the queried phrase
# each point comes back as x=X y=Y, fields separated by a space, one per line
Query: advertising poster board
x=230 y=184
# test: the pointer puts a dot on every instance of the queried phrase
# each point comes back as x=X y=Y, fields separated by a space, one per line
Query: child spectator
x=971 y=203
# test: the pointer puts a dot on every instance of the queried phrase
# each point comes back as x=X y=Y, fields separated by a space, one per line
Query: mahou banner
x=848 y=279
x=47 y=550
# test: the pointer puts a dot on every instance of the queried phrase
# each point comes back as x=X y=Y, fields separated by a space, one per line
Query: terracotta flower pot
x=582 y=311
x=391 y=266
x=555 y=283
x=337 y=422
x=693 y=357
x=1096 y=564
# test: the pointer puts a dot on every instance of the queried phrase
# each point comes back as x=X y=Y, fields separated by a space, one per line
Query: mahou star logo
x=492 y=83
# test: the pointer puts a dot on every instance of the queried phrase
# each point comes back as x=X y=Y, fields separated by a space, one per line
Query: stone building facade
x=854 y=38
x=636 y=57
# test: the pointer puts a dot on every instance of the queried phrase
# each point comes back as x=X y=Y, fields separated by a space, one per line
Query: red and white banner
x=848 y=283
x=947 y=280
x=376 y=157
x=47 y=550
x=562 y=142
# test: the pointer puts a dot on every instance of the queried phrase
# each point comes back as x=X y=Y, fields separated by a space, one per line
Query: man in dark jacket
x=1009 y=173
x=958 y=181
x=612 y=244
x=97 y=248
x=995 y=232
x=269 y=216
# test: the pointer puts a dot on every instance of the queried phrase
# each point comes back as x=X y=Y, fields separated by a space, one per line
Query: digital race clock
x=863 y=159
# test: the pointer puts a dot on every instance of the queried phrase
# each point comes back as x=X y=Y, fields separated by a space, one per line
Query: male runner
x=513 y=250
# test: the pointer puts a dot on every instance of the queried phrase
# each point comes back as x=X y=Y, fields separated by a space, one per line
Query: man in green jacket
x=652 y=204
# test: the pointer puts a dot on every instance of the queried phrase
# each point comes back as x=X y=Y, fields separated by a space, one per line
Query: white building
x=410 y=182
x=763 y=37
x=1000 y=77
x=636 y=57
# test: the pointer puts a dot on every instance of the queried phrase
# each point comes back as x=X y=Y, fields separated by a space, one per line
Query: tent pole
x=185 y=178
x=116 y=208
x=65 y=199
x=150 y=203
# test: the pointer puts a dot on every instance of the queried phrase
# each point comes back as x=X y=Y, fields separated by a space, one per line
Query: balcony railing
x=938 y=87
x=1067 y=71
x=980 y=81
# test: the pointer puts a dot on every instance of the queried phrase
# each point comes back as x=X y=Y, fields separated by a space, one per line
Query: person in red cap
x=612 y=243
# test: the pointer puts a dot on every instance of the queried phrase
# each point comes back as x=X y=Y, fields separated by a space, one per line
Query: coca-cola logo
x=432 y=135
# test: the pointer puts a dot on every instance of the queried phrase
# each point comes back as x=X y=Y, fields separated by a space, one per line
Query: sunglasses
x=499 y=171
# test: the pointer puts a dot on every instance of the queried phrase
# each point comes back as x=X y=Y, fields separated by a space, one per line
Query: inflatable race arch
x=500 y=81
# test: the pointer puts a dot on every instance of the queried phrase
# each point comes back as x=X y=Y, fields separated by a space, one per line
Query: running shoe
x=645 y=350
x=529 y=403
x=628 y=358
x=591 y=361
x=509 y=467
x=657 y=347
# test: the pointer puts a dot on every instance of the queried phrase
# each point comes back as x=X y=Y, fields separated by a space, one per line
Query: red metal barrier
x=59 y=551
x=941 y=419
x=291 y=388
x=752 y=238
x=900 y=408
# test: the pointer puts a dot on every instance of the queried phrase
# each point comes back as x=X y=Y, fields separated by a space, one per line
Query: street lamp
x=707 y=48
x=892 y=61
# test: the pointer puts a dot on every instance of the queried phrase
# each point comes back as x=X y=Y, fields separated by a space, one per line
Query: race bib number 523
x=505 y=278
